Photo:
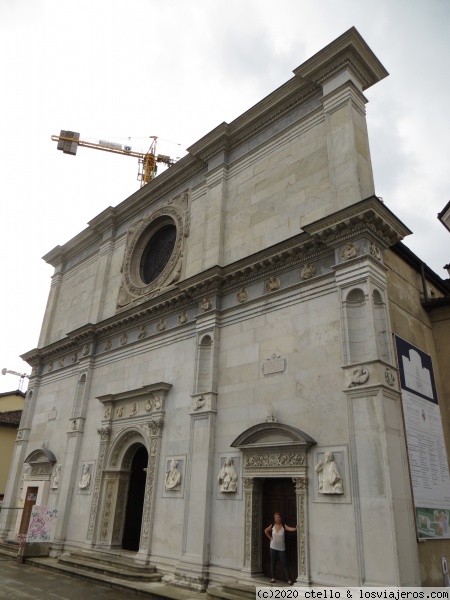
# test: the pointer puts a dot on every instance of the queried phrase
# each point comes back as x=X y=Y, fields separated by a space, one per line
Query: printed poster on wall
x=42 y=524
x=425 y=440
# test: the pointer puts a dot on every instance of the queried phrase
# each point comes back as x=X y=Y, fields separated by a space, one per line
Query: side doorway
x=30 y=501
x=279 y=496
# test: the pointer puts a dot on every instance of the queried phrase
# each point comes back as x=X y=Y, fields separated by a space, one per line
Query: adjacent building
x=219 y=346
x=11 y=404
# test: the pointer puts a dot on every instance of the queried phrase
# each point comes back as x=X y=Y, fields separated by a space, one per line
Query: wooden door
x=279 y=496
x=30 y=501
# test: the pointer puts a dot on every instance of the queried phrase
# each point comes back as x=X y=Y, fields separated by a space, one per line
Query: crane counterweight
x=68 y=142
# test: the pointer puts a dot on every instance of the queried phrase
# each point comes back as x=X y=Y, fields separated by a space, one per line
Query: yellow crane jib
x=68 y=142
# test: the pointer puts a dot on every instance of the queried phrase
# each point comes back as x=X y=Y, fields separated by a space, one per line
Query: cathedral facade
x=219 y=347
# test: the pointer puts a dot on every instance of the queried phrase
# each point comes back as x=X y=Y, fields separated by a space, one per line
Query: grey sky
x=176 y=70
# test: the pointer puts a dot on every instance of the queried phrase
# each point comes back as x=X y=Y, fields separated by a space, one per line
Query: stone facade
x=261 y=341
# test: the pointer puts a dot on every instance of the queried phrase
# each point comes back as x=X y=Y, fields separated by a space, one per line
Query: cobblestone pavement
x=25 y=582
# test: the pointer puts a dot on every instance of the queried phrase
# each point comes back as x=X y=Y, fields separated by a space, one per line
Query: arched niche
x=381 y=326
x=204 y=364
x=357 y=326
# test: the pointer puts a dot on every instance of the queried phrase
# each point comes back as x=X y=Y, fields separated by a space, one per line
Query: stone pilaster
x=193 y=568
x=104 y=433
x=252 y=525
x=301 y=492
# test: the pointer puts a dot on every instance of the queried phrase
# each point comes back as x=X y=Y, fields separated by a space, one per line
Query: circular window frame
x=139 y=242
x=146 y=252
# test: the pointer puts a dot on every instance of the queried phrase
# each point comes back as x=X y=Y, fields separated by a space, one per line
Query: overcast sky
x=136 y=68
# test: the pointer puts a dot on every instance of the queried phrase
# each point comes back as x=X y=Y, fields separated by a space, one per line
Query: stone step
x=109 y=561
x=153 y=590
x=9 y=549
x=218 y=593
x=110 y=567
x=240 y=589
x=232 y=591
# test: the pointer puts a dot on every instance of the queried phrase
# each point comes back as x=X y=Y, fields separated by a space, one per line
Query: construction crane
x=21 y=375
x=68 y=142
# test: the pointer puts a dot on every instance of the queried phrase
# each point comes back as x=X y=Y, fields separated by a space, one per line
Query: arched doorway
x=135 y=499
x=278 y=495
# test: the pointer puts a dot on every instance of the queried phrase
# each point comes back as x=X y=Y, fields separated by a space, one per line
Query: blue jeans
x=274 y=556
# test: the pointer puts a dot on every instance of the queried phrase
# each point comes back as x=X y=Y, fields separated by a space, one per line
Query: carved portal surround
x=274 y=450
x=130 y=419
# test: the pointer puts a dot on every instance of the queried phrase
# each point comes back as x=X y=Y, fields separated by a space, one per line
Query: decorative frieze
x=275 y=459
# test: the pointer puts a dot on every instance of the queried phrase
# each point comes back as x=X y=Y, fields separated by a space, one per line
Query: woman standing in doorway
x=275 y=533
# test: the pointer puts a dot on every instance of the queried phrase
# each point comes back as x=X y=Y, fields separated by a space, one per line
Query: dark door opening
x=279 y=496
x=30 y=501
x=135 y=500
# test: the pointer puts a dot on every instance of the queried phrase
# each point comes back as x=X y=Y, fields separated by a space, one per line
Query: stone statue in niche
x=55 y=478
x=330 y=480
x=85 y=480
x=182 y=318
x=228 y=476
x=172 y=479
x=350 y=251
x=161 y=325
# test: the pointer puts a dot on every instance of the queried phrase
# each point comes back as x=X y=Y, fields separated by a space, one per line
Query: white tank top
x=277 y=542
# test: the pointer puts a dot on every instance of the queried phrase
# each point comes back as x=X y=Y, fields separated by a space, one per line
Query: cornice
x=262 y=115
x=178 y=175
x=60 y=255
x=347 y=51
x=369 y=214
x=105 y=221
x=368 y=217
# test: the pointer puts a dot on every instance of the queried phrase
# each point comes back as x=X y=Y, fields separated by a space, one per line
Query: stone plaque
x=274 y=365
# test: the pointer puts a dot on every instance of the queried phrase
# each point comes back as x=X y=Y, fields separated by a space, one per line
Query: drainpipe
x=424 y=283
